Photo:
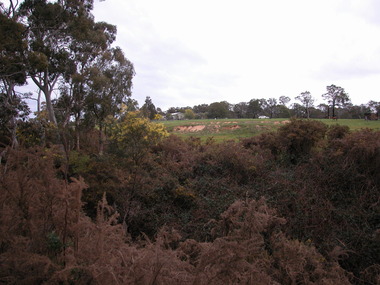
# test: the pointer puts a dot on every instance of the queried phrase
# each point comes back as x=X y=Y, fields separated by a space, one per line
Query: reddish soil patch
x=189 y=129
x=214 y=127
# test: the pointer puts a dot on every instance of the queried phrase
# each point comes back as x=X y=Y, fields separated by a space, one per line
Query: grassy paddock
x=234 y=129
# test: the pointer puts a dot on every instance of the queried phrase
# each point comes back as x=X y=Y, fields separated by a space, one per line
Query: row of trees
x=337 y=105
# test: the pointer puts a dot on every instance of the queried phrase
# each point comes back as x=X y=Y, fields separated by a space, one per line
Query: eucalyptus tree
x=271 y=107
x=284 y=100
x=48 y=42
x=90 y=42
x=218 y=110
x=255 y=107
x=324 y=109
x=55 y=32
x=284 y=111
x=240 y=110
x=66 y=46
x=297 y=110
x=148 y=109
x=109 y=87
x=374 y=107
x=336 y=96
x=307 y=101
x=132 y=105
x=12 y=72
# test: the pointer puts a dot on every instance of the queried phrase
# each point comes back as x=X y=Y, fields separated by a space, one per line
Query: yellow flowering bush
x=133 y=135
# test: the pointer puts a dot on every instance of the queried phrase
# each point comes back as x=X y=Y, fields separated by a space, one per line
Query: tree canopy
x=60 y=47
x=335 y=96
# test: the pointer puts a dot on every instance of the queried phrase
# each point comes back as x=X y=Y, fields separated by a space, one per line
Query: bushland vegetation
x=296 y=206
x=92 y=192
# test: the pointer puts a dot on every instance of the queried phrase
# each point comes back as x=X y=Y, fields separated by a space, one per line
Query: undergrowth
x=297 y=206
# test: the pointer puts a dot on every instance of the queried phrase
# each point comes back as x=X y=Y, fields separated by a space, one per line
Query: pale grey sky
x=187 y=53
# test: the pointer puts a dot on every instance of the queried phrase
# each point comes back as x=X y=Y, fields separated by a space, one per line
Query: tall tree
x=131 y=105
x=283 y=110
x=375 y=107
x=336 y=97
x=324 y=108
x=240 y=110
x=297 y=110
x=110 y=84
x=307 y=101
x=90 y=41
x=271 y=107
x=218 y=110
x=284 y=100
x=55 y=31
x=12 y=71
x=47 y=37
x=254 y=108
x=148 y=109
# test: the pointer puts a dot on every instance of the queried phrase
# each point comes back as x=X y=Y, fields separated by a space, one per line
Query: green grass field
x=234 y=129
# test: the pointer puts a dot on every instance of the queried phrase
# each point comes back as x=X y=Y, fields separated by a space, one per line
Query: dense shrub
x=337 y=132
x=45 y=238
x=299 y=137
x=348 y=176
x=177 y=211
x=293 y=142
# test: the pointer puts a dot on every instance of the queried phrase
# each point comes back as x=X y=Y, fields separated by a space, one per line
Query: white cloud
x=202 y=51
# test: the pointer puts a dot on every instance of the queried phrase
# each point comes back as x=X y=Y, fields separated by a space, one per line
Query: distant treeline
x=337 y=105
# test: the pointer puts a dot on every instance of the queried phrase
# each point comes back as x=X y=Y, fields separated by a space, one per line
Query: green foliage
x=54 y=243
x=307 y=101
x=79 y=163
x=133 y=135
x=336 y=96
x=148 y=109
x=12 y=46
x=189 y=114
x=218 y=110
x=31 y=133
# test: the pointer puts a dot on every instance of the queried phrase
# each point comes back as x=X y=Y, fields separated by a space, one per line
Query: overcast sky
x=187 y=53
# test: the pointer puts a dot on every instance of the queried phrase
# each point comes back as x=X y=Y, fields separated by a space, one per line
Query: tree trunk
x=101 y=140
x=49 y=106
x=333 y=108
x=13 y=120
x=14 y=133
x=47 y=89
x=77 y=133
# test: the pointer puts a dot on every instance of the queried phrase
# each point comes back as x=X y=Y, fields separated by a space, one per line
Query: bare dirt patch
x=213 y=127
x=189 y=129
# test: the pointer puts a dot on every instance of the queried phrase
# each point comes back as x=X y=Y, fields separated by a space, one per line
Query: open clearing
x=234 y=129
